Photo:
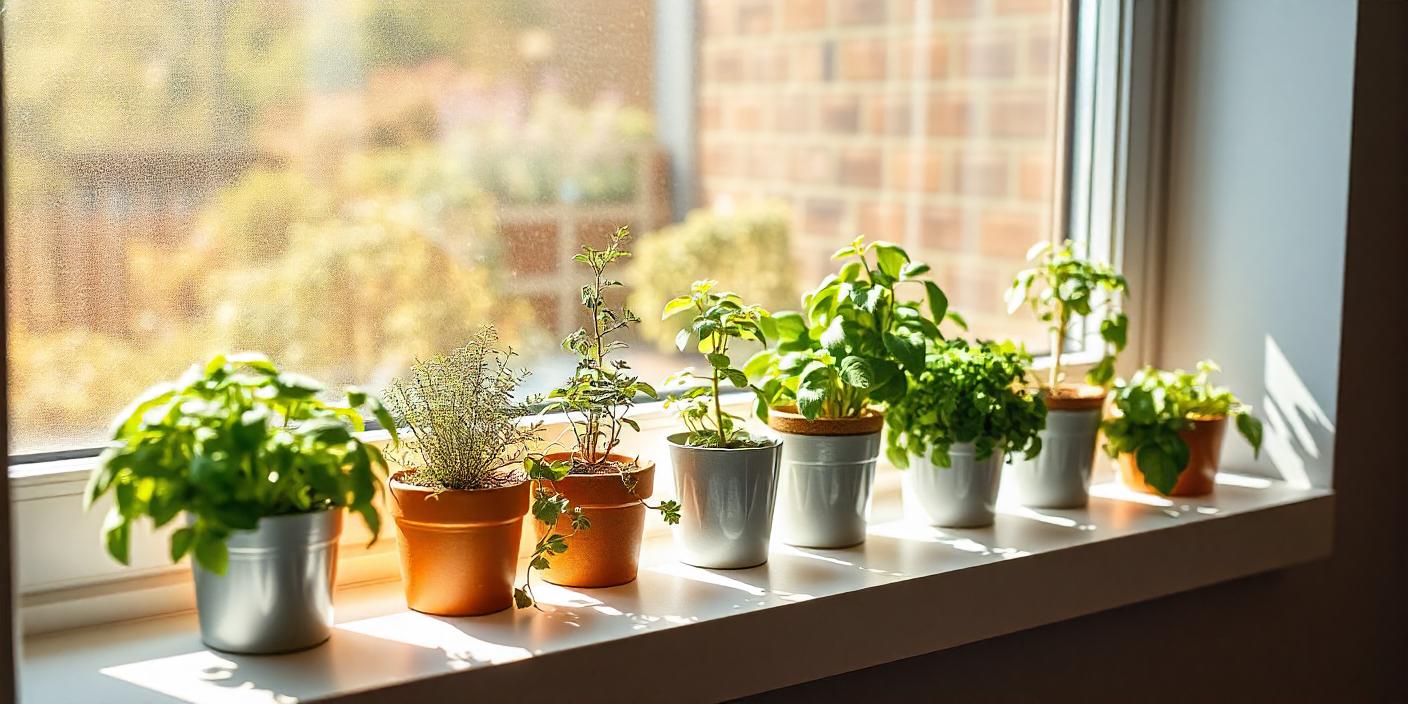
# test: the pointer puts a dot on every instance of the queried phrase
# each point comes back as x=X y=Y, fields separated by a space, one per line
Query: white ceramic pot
x=962 y=495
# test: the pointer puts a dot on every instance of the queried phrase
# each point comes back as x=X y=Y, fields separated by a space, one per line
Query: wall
x=1329 y=631
x=929 y=123
x=1259 y=165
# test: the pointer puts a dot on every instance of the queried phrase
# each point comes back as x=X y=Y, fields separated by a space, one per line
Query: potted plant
x=459 y=502
x=725 y=477
x=591 y=485
x=821 y=386
x=1062 y=289
x=1167 y=430
x=961 y=416
x=262 y=470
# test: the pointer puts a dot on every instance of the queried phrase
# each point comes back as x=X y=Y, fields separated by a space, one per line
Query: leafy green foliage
x=1153 y=406
x=460 y=408
x=966 y=393
x=720 y=318
x=235 y=440
x=596 y=401
x=1062 y=287
x=854 y=339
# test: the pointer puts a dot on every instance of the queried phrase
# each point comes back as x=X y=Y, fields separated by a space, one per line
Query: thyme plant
x=1061 y=288
x=720 y=318
x=235 y=440
x=461 y=412
x=1154 y=406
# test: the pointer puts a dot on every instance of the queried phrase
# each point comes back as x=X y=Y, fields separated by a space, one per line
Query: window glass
x=346 y=186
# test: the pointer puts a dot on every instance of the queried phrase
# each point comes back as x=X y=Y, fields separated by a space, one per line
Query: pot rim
x=786 y=419
x=776 y=443
x=395 y=482
x=1086 y=397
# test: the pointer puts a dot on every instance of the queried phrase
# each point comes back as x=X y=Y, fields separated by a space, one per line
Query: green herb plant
x=720 y=319
x=596 y=401
x=966 y=393
x=1061 y=288
x=851 y=344
x=1155 y=405
x=233 y=441
x=465 y=422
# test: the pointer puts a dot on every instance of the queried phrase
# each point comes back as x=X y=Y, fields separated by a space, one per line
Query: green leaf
x=735 y=377
x=1102 y=372
x=913 y=269
x=718 y=361
x=833 y=340
x=521 y=599
x=809 y=401
x=181 y=542
x=856 y=372
x=1161 y=468
x=117 y=536
x=1115 y=330
x=682 y=338
x=212 y=553
x=938 y=302
x=1250 y=428
x=677 y=305
x=907 y=349
x=891 y=259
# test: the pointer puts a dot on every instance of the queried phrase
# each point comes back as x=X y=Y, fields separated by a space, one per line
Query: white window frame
x=1118 y=86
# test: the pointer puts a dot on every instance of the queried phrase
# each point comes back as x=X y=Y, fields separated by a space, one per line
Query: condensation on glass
x=346 y=186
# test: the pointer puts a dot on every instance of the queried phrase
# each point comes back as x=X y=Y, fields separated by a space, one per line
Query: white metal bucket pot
x=726 y=498
x=963 y=495
x=1059 y=477
x=276 y=595
x=825 y=488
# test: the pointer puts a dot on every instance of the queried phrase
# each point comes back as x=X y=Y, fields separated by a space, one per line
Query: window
x=346 y=186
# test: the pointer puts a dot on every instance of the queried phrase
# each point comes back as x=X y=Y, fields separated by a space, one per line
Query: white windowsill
x=715 y=634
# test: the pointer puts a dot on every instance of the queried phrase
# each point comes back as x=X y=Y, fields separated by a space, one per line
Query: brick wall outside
x=926 y=122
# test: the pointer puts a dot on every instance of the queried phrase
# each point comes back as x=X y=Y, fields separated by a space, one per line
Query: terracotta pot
x=459 y=549
x=607 y=553
x=1204 y=454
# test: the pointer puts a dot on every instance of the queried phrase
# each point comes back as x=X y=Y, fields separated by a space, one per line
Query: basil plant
x=1155 y=405
x=233 y=441
x=855 y=337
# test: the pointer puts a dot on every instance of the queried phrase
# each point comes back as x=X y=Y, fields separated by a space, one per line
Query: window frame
x=1125 y=85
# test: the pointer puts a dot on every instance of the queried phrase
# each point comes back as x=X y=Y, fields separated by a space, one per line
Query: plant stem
x=1058 y=344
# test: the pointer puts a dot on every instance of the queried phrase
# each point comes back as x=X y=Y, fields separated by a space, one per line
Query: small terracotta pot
x=1204 y=454
x=459 y=549
x=607 y=553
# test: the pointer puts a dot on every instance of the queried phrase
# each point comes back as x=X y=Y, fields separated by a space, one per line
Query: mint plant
x=850 y=346
x=1154 y=406
x=1061 y=288
x=720 y=319
x=966 y=393
x=233 y=441
x=596 y=400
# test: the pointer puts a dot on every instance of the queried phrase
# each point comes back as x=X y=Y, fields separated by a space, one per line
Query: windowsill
x=715 y=634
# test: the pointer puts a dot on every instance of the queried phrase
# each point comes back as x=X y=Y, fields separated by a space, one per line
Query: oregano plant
x=233 y=441
x=855 y=337
x=720 y=319
x=1155 y=405
x=596 y=400
x=1062 y=288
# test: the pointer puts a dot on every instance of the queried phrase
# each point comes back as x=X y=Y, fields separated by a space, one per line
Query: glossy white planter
x=1059 y=477
x=961 y=496
x=824 y=494
x=726 y=503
